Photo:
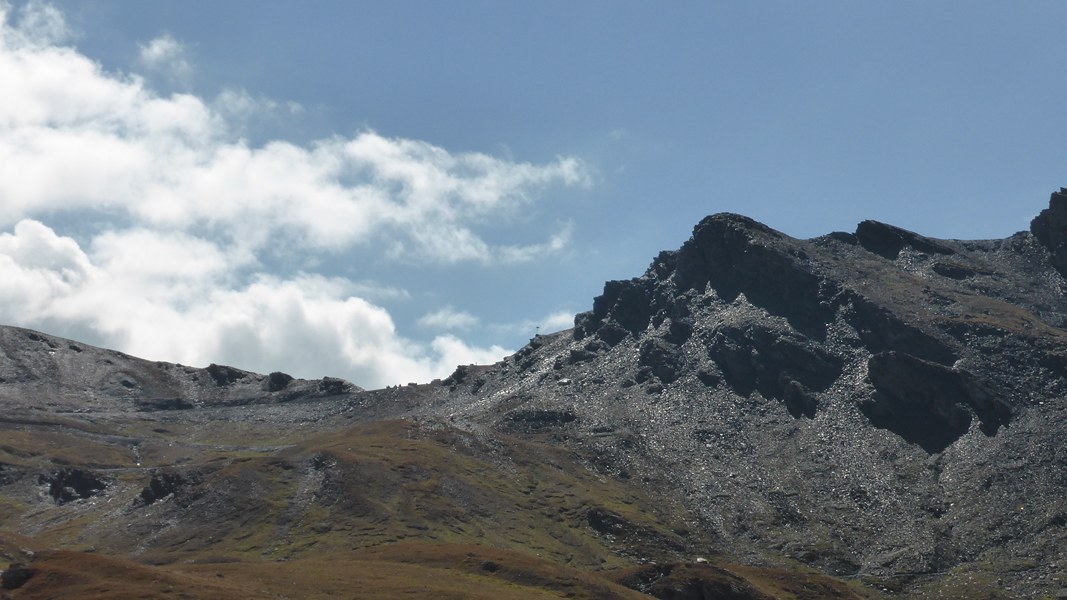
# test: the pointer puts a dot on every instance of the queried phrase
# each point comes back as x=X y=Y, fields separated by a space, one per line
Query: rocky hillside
x=39 y=372
x=863 y=414
x=172 y=481
x=876 y=404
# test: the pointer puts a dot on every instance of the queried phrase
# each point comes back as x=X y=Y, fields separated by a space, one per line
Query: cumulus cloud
x=38 y=267
x=178 y=216
x=74 y=136
x=167 y=297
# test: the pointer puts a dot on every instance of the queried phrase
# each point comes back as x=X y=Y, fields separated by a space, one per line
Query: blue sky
x=381 y=191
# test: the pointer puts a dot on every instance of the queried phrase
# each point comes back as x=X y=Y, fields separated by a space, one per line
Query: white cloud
x=241 y=111
x=38 y=24
x=373 y=290
x=167 y=55
x=149 y=255
x=518 y=254
x=448 y=318
x=38 y=269
x=557 y=321
x=162 y=298
x=453 y=352
x=552 y=322
x=178 y=216
x=72 y=135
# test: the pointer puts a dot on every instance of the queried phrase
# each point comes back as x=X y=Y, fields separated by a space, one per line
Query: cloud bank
x=144 y=222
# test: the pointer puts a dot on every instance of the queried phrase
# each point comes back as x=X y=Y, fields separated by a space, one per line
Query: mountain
x=877 y=404
x=860 y=415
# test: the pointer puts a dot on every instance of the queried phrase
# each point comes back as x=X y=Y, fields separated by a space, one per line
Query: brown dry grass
x=409 y=570
x=380 y=510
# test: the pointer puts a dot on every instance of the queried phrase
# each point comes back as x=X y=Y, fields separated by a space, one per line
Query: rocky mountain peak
x=728 y=254
x=895 y=366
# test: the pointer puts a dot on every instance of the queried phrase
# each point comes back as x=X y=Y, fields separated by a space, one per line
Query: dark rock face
x=1050 y=228
x=929 y=404
x=732 y=254
x=887 y=241
x=532 y=421
x=161 y=486
x=69 y=484
x=783 y=367
x=471 y=377
x=658 y=358
x=16 y=576
x=732 y=259
x=332 y=386
x=9 y=474
x=736 y=255
x=278 y=381
x=882 y=331
x=606 y=522
x=223 y=375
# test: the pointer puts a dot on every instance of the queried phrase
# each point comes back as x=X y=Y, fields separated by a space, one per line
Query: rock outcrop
x=70 y=484
x=1050 y=228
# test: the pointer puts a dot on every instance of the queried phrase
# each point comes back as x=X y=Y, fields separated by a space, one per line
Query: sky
x=382 y=191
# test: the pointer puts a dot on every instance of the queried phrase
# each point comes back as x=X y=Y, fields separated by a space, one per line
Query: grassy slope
x=384 y=509
x=408 y=571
